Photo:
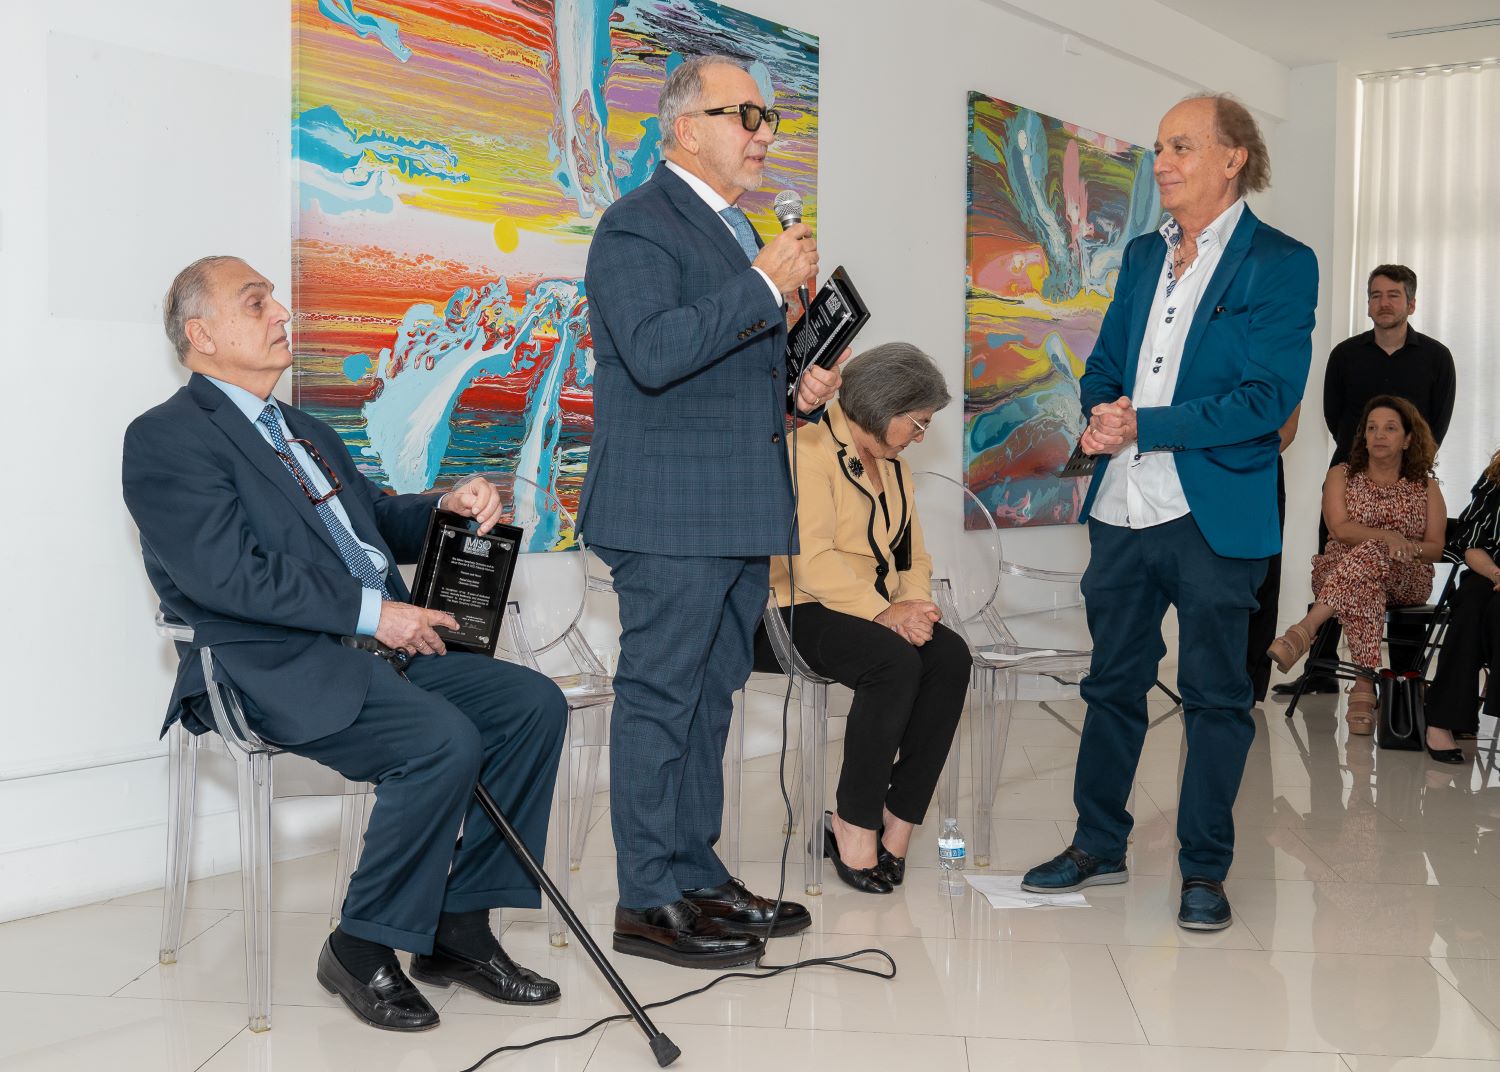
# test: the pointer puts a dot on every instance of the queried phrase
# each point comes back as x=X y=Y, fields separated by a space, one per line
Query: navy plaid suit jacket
x=688 y=456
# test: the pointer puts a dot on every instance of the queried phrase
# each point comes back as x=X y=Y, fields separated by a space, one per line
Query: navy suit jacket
x=1242 y=373
x=235 y=549
x=688 y=455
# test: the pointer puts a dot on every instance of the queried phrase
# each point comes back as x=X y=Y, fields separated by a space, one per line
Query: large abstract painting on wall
x=1051 y=207
x=452 y=160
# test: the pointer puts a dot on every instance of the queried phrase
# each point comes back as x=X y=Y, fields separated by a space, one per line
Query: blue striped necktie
x=354 y=556
x=740 y=223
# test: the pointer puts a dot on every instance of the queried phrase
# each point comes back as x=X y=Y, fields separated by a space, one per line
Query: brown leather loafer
x=679 y=934
x=499 y=978
x=739 y=911
x=387 y=1001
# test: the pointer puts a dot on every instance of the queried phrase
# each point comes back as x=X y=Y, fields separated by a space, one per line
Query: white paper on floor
x=1004 y=891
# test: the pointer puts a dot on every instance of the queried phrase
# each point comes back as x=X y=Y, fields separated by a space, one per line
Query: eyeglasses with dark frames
x=751 y=115
x=334 y=484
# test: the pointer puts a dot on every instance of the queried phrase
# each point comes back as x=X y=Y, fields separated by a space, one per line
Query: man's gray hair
x=888 y=380
x=683 y=93
x=188 y=299
x=1236 y=128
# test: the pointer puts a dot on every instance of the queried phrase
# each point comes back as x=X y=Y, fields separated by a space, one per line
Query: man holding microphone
x=688 y=494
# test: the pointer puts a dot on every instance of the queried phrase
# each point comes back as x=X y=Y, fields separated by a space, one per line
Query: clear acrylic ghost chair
x=294 y=777
x=1048 y=644
x=812 y=702
x=540 y=631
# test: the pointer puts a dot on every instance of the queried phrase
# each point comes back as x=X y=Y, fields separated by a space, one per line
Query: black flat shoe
x=1446 y=755
x=498 y=978
x=863 y=879
x=892 y=867
x=387 y=1000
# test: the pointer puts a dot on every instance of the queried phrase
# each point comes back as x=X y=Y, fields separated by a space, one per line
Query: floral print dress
x=1360 y=582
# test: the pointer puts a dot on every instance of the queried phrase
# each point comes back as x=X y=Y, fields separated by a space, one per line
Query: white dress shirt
x=1140 y=490
x=711 y=198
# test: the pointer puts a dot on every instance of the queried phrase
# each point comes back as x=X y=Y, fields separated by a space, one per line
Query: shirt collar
x=245 y=402
x=709 y=195
x=1217 y=232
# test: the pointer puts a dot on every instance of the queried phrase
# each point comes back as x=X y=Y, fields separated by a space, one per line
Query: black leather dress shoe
x=387 y=1000
x=499 y=978
x=739 y=911
x=892 y=867
x=1446 y=755
x=679 y=934
x=863 y=879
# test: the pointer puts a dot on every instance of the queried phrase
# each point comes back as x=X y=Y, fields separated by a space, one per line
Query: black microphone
x=788 y=209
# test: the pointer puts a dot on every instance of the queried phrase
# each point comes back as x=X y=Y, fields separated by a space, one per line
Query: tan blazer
x=852 y=559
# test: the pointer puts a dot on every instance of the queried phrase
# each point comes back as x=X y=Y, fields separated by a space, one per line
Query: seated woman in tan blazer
x=861 y=611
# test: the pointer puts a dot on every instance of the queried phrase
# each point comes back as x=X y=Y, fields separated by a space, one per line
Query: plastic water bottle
x=953 y=854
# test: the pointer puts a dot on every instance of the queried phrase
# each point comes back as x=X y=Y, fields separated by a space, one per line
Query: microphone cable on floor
x=765 y=971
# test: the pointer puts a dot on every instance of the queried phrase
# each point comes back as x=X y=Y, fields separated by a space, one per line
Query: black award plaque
x=833 y=318
x=468 y=576
x=1081 y=464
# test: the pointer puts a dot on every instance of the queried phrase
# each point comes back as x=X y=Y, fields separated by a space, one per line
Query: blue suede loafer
x=1073 y=869
x=1204 y=906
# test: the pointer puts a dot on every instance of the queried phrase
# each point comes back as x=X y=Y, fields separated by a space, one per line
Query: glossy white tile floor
x=1367 y=937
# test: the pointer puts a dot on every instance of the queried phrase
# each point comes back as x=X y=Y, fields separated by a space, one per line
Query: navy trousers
x=686 y=644
x=424 y=743
x=1132 y=577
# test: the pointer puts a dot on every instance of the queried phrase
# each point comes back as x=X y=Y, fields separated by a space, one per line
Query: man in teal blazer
x=1202 y=356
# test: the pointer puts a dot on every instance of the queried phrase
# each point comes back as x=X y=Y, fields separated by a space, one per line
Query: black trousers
x=907 y=703
x=1268 y=600
x=1473 y=641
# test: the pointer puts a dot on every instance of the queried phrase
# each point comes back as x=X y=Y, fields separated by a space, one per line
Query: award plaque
x=1080 y=464
x=833 y=318
x=468 y=576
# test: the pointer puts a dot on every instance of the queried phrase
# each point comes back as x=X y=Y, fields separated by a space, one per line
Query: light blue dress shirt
x=251 y=406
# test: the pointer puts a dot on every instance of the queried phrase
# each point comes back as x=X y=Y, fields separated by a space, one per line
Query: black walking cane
x=664 y=1049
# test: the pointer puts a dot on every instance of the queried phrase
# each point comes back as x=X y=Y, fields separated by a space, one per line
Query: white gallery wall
x=142 y=136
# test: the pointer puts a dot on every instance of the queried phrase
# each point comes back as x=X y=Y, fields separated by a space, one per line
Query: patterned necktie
x=740 y=224
x=350 y=551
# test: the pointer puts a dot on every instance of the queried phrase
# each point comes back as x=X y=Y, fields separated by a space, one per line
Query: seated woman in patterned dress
x=1386 y=521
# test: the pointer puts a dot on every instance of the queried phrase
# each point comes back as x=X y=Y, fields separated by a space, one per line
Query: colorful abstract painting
x=1051 y=207
x=452 y=160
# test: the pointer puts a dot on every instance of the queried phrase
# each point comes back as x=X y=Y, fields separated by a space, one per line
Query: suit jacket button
x=775 y=437
x=761 y=324
x=775 y=373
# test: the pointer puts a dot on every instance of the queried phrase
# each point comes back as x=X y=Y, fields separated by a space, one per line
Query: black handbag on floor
x=1402 y=721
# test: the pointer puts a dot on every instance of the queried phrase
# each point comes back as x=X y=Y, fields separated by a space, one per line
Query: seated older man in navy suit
x=259 y=532
x=1201 y=358
x=688 y=494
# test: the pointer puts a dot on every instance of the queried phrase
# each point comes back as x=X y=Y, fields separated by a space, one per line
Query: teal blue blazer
x=1243 y=371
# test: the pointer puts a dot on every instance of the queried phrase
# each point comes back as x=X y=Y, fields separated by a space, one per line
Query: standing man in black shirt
x=1391 y=359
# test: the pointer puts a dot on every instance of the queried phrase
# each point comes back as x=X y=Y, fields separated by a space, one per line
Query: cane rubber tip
x=666 y=1051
